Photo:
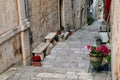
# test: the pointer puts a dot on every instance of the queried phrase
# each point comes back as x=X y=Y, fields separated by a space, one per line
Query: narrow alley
x=68 y=60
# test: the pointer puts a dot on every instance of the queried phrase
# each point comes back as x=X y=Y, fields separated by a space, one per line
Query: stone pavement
x=68 y=60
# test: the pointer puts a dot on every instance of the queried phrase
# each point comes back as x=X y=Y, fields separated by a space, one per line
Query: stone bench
x=61 y=36
x=50 y=38
x=66 y=34
x=40 y=50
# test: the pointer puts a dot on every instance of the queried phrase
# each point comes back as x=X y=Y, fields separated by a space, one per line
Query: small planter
x=59 y=32
x=36 y=63
x=97 y=53
x=36 y=60
x=96 y=61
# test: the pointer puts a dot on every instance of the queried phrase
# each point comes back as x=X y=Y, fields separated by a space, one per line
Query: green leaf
x=108 y=58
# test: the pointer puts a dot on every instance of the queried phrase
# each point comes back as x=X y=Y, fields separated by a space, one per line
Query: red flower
x=90 y=48
x=98 y=50
x=36 y=58
x=103 y=49
x=59 y=32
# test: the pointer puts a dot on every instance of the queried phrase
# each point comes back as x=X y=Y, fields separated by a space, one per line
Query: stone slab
x=51 y=35
x=40 y=48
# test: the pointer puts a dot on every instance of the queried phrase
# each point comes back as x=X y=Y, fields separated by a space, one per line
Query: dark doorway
x=61 y=8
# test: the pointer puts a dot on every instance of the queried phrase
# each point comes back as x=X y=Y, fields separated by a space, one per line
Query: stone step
x=57 y=79
x=54 y=69
x=43 y=73
x=62 y=74
x=66 y=66
x=67 y=75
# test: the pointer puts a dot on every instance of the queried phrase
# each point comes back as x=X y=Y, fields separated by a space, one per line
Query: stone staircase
x=63 y=74
x=43 y=73
x=68 y=60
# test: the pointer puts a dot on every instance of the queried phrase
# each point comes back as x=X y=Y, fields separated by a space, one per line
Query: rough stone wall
x=80 y=13
x=44 y=18
x=8 y=15
x=10 y=52
x=73 y=13
x=76 y=12
x=115 y=41
x=84 y=14
x=68 y=13
x=11 y=43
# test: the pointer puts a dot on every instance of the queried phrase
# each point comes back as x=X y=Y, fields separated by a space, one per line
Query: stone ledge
x=25 y=26
x=40 y=50
x=51 y=35
x=13 y=32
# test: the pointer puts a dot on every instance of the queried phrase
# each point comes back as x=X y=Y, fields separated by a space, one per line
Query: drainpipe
x=26 y=9
x=29 y=31
x=27 y=16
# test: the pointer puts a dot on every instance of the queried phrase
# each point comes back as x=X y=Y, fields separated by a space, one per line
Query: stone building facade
x=79 y=13
x=74 y=13
x=47 y=16
x=14 y=34
x=44 y=18
x=115 y=40
x=25 y=23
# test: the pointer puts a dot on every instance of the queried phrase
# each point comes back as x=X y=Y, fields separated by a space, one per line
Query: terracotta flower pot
x=36 y=63
x=36 y=58
x=59 y=32
x=96 y=61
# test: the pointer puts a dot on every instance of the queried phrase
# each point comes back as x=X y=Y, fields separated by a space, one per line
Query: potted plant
x=97 y=53
x=36 y=60
x=59 y=32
